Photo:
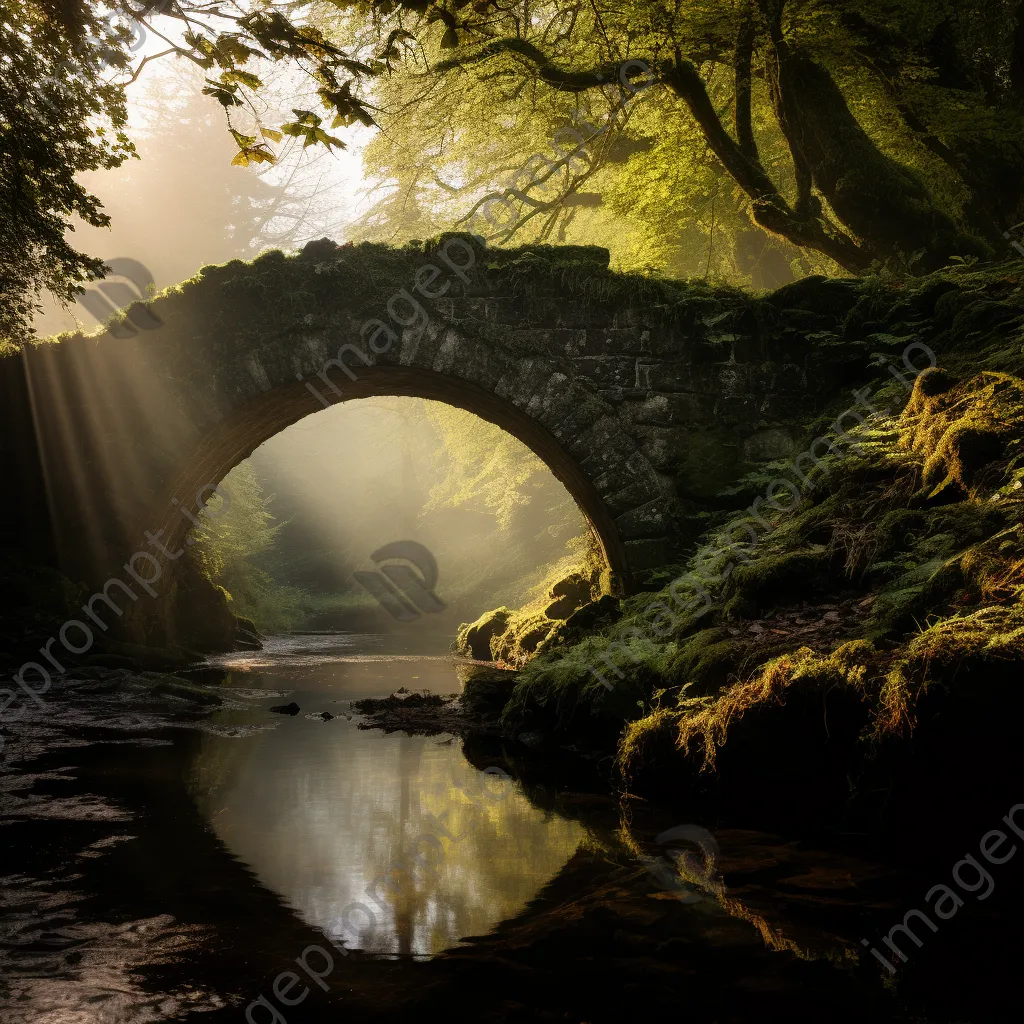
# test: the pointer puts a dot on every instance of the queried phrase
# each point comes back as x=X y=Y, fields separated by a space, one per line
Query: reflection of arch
x=257 y=421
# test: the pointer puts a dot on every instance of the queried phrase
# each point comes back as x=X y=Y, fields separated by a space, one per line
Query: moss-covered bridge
x=644 y=397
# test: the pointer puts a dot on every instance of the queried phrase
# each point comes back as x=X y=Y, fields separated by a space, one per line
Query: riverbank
x=843 y=647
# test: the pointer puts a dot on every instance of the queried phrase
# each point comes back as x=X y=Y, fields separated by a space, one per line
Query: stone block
x=608 y=342
x=690 y=409
x=654 y=409
x=660 y=445
x=520 y=380
x=607 y=371
x=635 y=493
x=649 y=553
x=664 y=376
x=768 y=445
x=649 y=520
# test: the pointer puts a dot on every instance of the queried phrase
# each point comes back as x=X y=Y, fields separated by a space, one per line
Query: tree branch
x=558 y=78
x=775 y=67
x=769 y=208
x=742 y=110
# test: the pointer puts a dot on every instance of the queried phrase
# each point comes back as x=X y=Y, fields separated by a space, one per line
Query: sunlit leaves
x=391 y=51
x=450 y=38
x=306 y=126
x=226 y=94
x=348 y=109
x=60 y=115
x=250 y=151
x=246 y=78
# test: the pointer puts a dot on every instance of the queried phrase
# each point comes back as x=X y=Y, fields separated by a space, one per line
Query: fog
x=312 y=504
x=310 y=507
x=183 y=205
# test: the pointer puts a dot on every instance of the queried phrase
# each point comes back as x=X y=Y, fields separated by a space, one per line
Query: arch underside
x=465 y=362
x=246 y=429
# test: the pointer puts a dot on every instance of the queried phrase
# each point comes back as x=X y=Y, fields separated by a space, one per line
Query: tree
x=861 y=130
x=64 y=69
x=849 y=187
x=58 y=116
x=235 y=530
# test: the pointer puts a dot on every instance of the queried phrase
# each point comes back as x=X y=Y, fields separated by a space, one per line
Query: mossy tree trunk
x=880 y=202
x=877 y=209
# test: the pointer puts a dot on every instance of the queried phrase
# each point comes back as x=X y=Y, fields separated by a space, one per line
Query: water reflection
x=332 y=817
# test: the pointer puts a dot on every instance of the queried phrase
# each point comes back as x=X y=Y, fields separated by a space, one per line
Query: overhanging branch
x=562 y=79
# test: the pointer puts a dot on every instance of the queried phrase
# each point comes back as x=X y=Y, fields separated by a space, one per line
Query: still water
x=331 y=817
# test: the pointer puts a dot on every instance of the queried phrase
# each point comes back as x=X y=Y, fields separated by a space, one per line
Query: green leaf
x=245 y=78
x=224 y=94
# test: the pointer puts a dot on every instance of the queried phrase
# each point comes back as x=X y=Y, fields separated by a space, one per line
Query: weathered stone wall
x=644 y=400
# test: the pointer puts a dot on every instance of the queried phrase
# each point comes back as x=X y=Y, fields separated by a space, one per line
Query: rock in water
x=286 y=709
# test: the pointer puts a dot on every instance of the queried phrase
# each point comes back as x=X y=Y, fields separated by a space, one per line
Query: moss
x=936 y=655
x=777 y=579
x=514 y=637
x=603 y=612
x=523 y=634
x=703 y=724
x=473 y=639
x=962 y=430
x=706 y=659
x=564 y=693
x=648 y=745
x=927 y=522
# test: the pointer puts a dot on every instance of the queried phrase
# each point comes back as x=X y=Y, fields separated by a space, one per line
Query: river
x=172 y=848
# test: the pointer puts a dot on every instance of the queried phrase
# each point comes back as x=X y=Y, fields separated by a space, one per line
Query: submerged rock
x=487 y=691
x=286 y=709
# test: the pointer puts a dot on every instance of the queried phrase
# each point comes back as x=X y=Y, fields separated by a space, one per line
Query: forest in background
x=306 y=510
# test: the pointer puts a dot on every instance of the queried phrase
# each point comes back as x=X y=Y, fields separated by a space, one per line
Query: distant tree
x=234 y=535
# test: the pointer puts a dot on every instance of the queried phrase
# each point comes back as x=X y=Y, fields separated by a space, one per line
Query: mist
x=183 y=204
x=308 y=509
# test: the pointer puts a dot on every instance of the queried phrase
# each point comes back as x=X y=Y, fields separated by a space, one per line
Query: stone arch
x=641 y=410
x=574 y=432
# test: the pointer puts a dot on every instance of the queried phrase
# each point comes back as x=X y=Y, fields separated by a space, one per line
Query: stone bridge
x=643 y=397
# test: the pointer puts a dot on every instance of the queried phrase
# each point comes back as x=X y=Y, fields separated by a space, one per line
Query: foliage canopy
x=854 y=132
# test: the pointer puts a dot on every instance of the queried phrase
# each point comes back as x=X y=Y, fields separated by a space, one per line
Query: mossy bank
x=847 y=649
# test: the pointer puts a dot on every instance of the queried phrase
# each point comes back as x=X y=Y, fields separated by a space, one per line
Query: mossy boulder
x=962 y=430
x=707 y=659
x=474 y=638
x=569 y=594
x=522 y=638
x=777 y=579
x=486 y=691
